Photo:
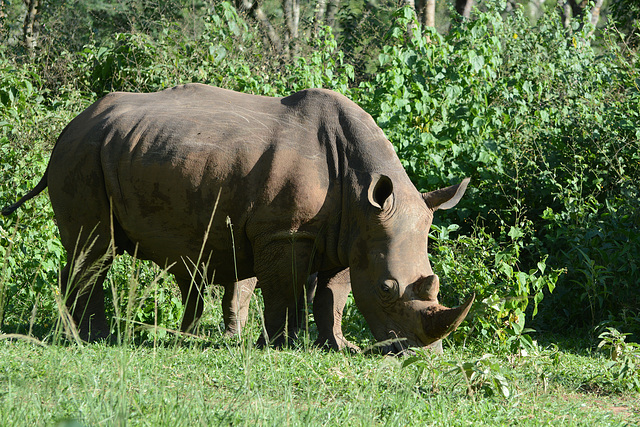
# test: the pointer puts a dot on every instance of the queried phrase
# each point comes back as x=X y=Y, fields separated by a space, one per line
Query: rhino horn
x=439 y=321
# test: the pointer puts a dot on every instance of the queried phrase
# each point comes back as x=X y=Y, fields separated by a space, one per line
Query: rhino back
x=167 y=157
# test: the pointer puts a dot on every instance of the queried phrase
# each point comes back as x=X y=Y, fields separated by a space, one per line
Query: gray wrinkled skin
x=309 y=184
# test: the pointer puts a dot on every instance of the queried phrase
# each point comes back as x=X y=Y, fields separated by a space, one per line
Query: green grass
x=217 y=381
x=45 y=379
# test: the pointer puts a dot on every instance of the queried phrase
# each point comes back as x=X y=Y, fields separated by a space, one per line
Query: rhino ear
x=381 y=191
x=446 y=198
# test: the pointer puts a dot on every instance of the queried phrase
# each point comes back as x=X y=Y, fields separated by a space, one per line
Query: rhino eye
x=389 y=290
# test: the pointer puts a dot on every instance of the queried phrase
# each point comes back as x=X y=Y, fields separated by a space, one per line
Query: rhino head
x=392 y=280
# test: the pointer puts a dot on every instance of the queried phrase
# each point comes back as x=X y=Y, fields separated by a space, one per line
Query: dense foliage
x=547 y=127
x=548 y=130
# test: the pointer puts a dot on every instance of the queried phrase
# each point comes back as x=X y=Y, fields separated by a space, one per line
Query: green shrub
x=228 y=53
x=622 y=371
x=488 y=267
x=29 y=249
x=546 y=127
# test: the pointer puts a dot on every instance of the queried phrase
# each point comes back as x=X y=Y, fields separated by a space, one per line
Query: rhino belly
x=177 y=209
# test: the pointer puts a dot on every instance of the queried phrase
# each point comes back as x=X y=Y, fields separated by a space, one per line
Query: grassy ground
x=194 y=382
x=209 y=380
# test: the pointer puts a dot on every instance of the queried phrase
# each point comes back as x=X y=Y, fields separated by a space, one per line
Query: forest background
x=537 y=101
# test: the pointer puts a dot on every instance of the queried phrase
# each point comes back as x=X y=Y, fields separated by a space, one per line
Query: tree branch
x=253 y=7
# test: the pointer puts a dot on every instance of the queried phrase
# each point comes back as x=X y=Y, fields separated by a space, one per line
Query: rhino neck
x=330 y=241
x=354 y=148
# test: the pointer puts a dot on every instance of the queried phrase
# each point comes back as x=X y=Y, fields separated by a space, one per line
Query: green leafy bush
x=489 y=267
x=29 y=250
x=227 y=53
x=622 y=371
x=546 y=127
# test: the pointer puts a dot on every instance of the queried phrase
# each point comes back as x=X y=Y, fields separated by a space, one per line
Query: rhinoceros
x=223 y=186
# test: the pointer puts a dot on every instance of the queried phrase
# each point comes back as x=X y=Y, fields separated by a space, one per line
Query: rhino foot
x=337 y=343
x=97 y=335
x=279 y=342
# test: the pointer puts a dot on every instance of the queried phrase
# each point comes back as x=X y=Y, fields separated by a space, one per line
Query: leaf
x=506 y=269
x=542 y=266
x=515 y=233
x=29 y=87
x=477 y=62
x=502 y=385
x=411 y=360
x=537 y=298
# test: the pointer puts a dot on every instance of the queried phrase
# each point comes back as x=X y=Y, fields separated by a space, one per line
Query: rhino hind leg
x=89 y=230
x=81 y=286
x=328 y=305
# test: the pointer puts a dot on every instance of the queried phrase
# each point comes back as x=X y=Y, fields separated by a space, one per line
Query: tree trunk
x=253 y=7
x=571 y=9
x=565 y=14
x=321 y=12
x=291 y=10
x=430 y=13
x=534 y=10
x=463 y=7
x=2 y=16
x=426 y=13
x=595 y=15
x=325 y=14
x=420 y=10
x=332 y=10
x=411 y=25
x=29 y=34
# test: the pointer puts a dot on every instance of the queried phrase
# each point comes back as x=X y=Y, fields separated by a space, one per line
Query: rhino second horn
x=440 y=321
x=427 y=289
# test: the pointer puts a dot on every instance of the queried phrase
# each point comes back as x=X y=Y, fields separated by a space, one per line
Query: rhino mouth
x=398 y=344
x=401 y=346
x=395 y=345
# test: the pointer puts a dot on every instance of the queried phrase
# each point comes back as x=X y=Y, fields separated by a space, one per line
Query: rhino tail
x=30 y=195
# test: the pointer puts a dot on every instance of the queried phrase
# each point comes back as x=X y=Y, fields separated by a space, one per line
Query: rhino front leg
x=282 y=269
x=328 y=305
x=235 y=305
